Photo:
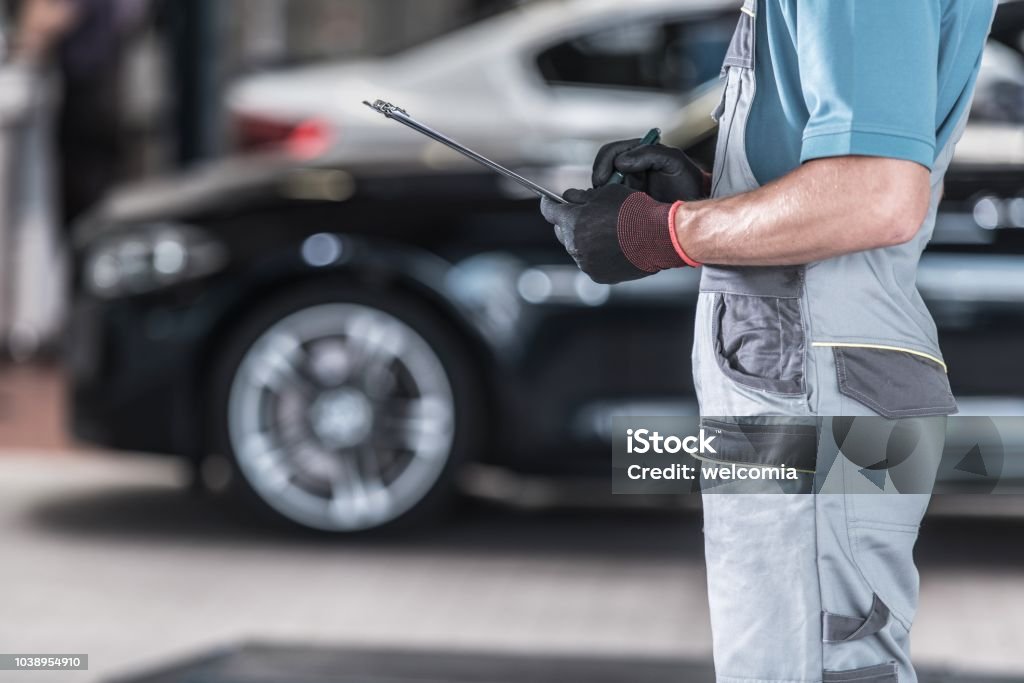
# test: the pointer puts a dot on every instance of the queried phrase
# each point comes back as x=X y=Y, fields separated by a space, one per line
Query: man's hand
x=664 y=173
x=615 y=234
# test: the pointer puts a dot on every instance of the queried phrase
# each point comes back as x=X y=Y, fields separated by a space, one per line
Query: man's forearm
x=824 y=209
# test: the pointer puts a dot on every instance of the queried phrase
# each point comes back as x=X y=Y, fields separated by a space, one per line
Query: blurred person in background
x=31 y=262
x=63 y=101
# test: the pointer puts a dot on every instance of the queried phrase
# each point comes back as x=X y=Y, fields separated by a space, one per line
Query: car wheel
x=346 y=410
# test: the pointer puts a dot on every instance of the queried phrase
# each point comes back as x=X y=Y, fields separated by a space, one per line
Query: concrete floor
x=109 y=556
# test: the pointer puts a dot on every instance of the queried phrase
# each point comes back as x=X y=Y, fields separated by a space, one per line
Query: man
x=838 y=123
x=32 y=269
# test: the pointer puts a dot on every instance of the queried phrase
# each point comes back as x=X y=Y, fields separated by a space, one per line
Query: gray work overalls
x=814 y=587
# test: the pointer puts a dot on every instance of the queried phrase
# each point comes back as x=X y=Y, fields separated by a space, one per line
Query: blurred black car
x=348 y=335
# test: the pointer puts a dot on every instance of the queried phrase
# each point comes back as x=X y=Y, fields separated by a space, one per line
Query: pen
x=652 y=138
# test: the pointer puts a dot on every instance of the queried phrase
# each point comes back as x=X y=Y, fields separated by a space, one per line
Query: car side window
x=1000 y=92
x=982 y=191
x=995 y=131
x=671 y=56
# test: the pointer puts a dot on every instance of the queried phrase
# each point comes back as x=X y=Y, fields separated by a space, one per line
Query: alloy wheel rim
x=341 y=417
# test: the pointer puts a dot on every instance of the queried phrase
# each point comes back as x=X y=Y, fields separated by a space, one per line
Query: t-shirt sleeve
x=868 y=70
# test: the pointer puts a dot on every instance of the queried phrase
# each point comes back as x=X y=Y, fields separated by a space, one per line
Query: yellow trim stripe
x=747 y=10
x=882 y=347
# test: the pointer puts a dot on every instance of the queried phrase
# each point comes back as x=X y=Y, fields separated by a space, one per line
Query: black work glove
x=665 y=173
x=616 y=234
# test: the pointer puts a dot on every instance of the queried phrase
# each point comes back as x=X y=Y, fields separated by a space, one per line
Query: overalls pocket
x=882 y=673
x=770 y=445
x=772 y=442
x=894 y=384
x=760 y=342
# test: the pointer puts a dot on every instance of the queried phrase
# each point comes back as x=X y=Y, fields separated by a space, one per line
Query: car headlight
x=152 y=258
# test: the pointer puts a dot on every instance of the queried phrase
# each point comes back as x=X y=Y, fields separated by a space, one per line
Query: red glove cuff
x=675 y=237
x=647 y=234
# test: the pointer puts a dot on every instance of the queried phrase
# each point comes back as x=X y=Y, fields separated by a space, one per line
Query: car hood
x=226 y=185
x=171 y=197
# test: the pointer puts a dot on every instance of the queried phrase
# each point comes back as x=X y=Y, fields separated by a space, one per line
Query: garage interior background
x=107 y=553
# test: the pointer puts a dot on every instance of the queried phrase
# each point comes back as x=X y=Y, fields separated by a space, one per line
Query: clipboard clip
x=386 y=108
x=402 y=116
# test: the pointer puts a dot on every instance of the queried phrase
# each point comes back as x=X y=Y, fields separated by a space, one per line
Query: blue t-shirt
x=888 y=78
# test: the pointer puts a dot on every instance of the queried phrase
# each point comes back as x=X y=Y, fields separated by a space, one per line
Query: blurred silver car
x=546 y=81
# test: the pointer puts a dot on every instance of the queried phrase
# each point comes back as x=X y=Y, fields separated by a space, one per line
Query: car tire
x=345 y=410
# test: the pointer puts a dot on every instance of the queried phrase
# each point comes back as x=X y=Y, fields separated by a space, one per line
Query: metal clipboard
x=397 y=114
